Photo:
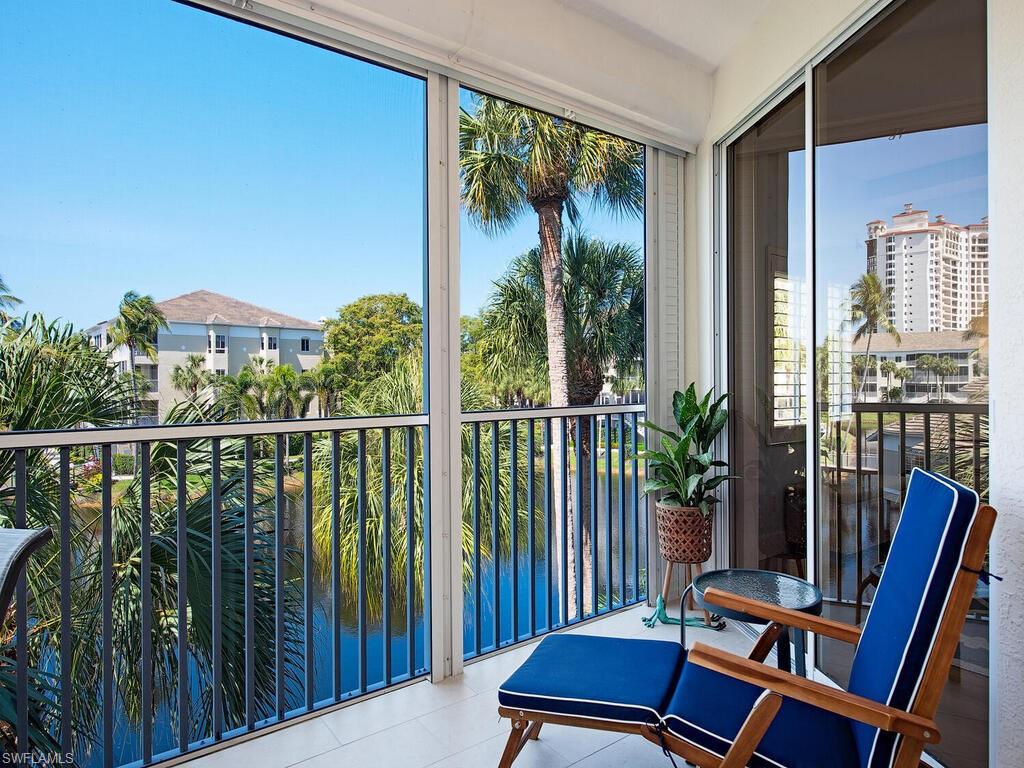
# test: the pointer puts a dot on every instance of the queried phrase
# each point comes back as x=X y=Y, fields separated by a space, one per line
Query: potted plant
x=684 y=471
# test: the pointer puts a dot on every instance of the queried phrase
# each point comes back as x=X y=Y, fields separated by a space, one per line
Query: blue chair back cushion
x=604 y=678
x=902 y=625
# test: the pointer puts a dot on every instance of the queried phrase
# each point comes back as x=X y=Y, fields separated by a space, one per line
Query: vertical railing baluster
x=976 y=447
x=21 y=606
x=595 y=562
x=495 y=537
x=608 y=511
x=839 y=510
x=216 y=566
x=307 y=561
x=424 y=482
x=184 y=683
x=548 y=554
x=336 y=565
x=410 y=550
x=578 y=517
x=880 y=510
x=513 y=505
x=635 y=480
x=280 y=676
x=66 y=641
x=927 y=440
x=531 y=591
x=952 y=445
x=385 y=545
x=859 y=490
x=477 y=532
x=622 y=509
x=250 y=588
x=361 y=553
x=563 y=432
x=903 y=457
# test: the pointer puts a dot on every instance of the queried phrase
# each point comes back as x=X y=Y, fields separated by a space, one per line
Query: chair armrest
x=836 y=630
x=816 y=694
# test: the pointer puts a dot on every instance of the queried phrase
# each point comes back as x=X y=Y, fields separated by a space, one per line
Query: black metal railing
x=866 y=462
x=554 y=525
x=243 y=575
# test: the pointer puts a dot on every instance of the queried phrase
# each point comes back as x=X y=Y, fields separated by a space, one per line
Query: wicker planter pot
x=684 y=534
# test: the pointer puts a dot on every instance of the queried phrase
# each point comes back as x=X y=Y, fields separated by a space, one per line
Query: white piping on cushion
x=920 y=608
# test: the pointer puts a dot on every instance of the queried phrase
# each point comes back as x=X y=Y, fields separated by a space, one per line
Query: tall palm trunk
x=549 y=230
x=135 y=403
x=867 y=362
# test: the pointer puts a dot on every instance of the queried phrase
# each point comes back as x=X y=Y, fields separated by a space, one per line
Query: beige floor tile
x=466 y=723
x=630 y=752
x=279 y=749
x=408 y=745
x=487 y=754
x=574 y=744
x=390 y=709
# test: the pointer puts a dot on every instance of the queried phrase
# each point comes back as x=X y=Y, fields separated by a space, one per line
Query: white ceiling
x=703 y=30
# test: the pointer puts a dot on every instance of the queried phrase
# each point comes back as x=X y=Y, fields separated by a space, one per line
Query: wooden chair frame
x=916 y=725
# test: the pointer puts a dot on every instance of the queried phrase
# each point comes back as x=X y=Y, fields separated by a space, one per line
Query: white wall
x=540 y=48
x=1006 y=369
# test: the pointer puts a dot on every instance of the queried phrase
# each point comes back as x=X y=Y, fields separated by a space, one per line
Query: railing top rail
x=137 y=434
x=958 y=408
x=520 y=414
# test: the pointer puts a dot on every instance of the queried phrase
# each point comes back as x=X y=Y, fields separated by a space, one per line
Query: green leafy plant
x=685 y=466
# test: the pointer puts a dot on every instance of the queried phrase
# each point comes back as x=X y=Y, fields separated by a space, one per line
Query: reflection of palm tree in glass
x=871 y=304
x=513 y=159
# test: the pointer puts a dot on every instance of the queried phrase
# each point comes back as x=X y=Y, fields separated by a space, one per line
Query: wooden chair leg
x=752 y=731
x=534 y=732
x=520 y=734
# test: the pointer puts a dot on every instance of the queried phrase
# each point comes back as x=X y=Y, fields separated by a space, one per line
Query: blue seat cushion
x=708 y=709
x=604 y=678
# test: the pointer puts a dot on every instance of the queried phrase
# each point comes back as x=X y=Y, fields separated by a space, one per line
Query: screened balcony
x=330 y=542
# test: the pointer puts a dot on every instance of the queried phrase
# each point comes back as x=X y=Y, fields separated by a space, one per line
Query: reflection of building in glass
x=789 y=362
x=839 y=330
x=913 y=352
x=937 y=270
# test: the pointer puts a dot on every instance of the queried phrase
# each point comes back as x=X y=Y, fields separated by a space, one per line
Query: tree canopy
x=369 y=337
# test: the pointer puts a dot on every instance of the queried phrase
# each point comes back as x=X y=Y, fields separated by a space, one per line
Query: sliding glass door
x=896 y=305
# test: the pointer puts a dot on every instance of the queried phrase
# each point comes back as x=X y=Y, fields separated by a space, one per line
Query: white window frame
x=663 y=225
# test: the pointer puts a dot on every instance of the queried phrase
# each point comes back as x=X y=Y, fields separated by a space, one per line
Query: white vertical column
x=1006 y=371
x=443 y=386
x=664 y=237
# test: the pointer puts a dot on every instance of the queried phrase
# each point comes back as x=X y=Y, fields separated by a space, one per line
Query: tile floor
x=455 y=724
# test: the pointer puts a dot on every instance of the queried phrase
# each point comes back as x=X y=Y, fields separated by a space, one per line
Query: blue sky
x=150 y=146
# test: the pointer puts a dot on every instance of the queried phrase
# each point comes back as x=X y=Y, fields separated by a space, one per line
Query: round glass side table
x=779 y=589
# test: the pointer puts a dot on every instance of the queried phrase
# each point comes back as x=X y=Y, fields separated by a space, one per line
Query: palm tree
x=287 y=394
x=926 y=364
x=139 y=320
x=945 y=366
x=871 y=306
x=192 y=377
x=324 y=382
x=7 y=300
x=400 y=390
x=511 y=159
x=604 y=298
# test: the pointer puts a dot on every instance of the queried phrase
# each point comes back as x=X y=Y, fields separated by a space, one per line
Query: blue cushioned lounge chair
x=718 y=710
